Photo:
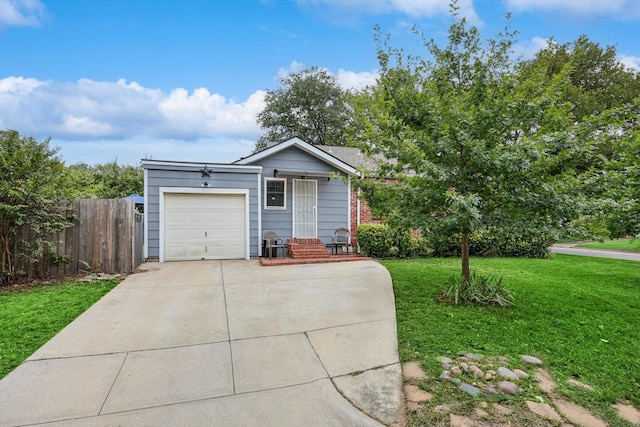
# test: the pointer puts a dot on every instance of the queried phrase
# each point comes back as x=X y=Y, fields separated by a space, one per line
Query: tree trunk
x=465 y=257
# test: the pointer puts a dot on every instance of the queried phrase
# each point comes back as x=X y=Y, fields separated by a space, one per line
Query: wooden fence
x=106 y=237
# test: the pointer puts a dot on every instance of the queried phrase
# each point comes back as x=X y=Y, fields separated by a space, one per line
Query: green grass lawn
x=580 y=315
x=620 y=244
x=30 y=317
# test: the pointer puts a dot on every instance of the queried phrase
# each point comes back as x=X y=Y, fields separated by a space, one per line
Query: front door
x=305 y=200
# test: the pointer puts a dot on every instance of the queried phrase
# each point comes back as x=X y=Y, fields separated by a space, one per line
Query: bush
x=494 y=242
x=480 y=290
x=375 y=240
x=410 y=243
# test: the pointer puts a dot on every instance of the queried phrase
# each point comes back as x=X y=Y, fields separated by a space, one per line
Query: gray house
x=202 y=210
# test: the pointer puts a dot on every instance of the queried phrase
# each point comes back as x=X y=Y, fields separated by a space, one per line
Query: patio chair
x=271 y=242
x=341 y=239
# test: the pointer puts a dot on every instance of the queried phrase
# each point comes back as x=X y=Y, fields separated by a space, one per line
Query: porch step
x=307 y=248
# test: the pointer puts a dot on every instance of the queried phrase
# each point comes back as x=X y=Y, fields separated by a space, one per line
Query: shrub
x=480 y=290
x=410 y=243
x=375 y=240
x=494 y=242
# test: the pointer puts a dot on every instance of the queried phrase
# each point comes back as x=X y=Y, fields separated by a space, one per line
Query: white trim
x=293 y=207
x=275 y=208
x=145 y=217
x=210 y=191
x=213 y=167
x=304 y=146
x=259 y=236
x=349 y=204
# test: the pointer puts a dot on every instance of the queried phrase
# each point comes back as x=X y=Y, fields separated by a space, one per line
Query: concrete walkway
x=226 y=343
x=570 y=249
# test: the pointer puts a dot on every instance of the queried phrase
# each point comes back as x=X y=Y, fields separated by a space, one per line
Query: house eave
x=304 y=146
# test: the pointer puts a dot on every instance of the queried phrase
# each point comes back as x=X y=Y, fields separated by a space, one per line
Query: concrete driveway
x=221 y=343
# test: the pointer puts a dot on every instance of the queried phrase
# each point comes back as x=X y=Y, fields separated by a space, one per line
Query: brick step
x=307 y=248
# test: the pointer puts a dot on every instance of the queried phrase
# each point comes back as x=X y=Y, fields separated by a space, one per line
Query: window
x=275 y=193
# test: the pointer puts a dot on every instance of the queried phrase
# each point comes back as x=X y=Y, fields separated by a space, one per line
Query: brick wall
x=365 y=216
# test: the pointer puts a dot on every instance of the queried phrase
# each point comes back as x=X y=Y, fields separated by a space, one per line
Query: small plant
x=479 y=290
x=61 y=259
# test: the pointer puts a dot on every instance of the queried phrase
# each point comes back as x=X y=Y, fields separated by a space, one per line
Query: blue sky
x=183 y=80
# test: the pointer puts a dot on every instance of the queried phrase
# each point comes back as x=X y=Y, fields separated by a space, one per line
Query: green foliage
x=409 y=243
x=33 y=196
x=479 y=290
x=106 y=181
x=598 y=81
x=308 y=104
x=466 y=140
x=494 y=242
x=31 y=317
x=375 y=240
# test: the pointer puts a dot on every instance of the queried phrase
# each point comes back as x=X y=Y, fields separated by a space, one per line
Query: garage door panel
x=204 y=226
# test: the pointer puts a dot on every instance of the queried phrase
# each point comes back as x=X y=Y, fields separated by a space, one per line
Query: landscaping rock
x=460 y=421
x=532 y=360
x=499 y=409
x=488 y=376
x=476 y=372
x=445 y=360
x=470 y=390
x=481 y=413
x=414 y=407
x=464 y=366
x=521 y=374
x=413 y=371
x=628 y=412
x=456 y=380
x=415 y=394
x=578 y=384
x=490 y=390
x=577 y=414
x=507 y=373
x=455 y=371
x=507 y=387
x=445 y=375
x=474 y=356
x=544 y=380
x=544 y=410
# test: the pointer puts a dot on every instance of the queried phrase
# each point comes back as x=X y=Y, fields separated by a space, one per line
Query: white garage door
x=204 y=226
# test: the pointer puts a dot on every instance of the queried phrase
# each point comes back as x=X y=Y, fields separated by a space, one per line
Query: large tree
x=309 y=104
x=33 y=194
x=598 y=81
x=465 y=137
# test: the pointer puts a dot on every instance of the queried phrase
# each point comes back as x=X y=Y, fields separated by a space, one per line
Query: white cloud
x=621 y=9
x=90 y=109
x=528 y=49
x=413 y=8
x=22 y=13
x=346 y=79
x=354 y=80
x=630 y=61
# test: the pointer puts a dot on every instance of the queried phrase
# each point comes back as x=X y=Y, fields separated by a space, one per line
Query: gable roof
x=304 y=146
